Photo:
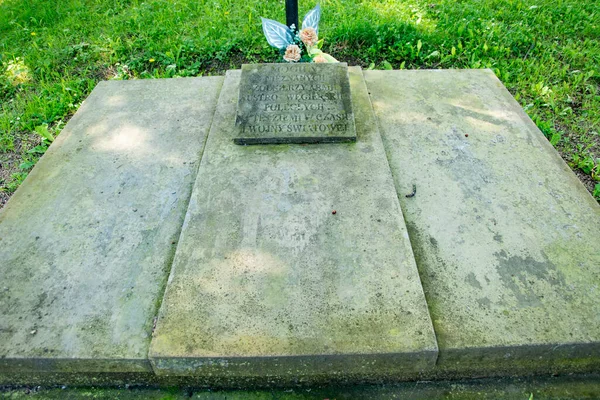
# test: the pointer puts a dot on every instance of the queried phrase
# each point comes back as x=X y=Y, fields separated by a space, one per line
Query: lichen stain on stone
x=484 y=302
x=40 y=303
x=472 y=280
x=433 y=242
x=521 y=274
x=464 y=166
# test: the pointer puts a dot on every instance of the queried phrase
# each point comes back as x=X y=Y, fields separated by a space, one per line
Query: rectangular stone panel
x=294 y=103
x=294 y=264
x=506 y=238
x=86 y=242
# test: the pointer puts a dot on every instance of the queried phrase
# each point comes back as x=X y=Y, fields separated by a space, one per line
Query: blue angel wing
x=311 y=19
x=277 y=34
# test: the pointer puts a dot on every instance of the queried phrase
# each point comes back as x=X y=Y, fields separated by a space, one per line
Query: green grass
x=52 y=54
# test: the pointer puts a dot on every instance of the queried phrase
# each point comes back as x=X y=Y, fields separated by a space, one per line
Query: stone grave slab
x=506 y=238
x=294 y=103
x=294 y=263
x=86 y=242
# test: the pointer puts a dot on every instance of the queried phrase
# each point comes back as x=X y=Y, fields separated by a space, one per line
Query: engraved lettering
x=292 y=102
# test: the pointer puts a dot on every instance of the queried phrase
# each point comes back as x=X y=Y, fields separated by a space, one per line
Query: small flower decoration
x=292 y=53
x=298 y=46
x=309 y=36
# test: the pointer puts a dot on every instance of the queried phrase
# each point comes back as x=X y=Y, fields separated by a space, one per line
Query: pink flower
x=319 y=59
x=292 y=53
x=309 y=36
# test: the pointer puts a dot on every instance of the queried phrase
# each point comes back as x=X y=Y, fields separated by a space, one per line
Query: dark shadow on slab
x=304 y=140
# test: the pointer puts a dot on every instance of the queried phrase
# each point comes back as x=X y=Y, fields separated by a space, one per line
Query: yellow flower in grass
x=152 y=60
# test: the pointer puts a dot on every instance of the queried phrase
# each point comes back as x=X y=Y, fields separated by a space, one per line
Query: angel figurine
x=295 y=46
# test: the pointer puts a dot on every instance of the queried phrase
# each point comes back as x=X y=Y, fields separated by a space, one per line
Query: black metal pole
x=291 y=13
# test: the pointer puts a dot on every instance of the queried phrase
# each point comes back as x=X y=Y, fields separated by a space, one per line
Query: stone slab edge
x=291 y=140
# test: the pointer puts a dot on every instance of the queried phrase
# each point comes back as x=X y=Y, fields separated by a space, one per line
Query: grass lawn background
x=52 y=54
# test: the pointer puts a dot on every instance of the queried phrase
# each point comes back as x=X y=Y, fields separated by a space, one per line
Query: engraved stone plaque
x=294 y=103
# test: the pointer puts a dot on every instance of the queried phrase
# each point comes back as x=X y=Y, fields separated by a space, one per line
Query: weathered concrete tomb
x=381 y=226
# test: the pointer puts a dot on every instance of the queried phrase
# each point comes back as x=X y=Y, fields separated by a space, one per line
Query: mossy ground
x=533 y=388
